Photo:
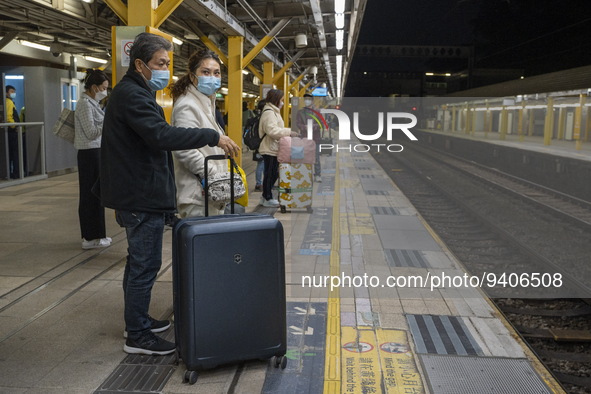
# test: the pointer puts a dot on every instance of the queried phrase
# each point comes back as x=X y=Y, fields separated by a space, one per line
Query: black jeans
x=271 y=175
x=90 y=210
x=144 y=247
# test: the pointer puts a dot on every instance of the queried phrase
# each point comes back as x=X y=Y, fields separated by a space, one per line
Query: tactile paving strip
x=406 y=258
x=377 y=193
x=482 y=375
x=442 y=335
x=384 y=211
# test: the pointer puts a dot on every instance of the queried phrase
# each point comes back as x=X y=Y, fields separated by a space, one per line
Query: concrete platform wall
x=567 y=175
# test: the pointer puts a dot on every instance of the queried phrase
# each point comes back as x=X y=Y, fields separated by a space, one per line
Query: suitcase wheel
x=309 y=209
x=280 y=361
x=283 y=209
x=190 y=377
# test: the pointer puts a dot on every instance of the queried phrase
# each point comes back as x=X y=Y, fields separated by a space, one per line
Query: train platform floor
x=557 y=147
x=61 y=307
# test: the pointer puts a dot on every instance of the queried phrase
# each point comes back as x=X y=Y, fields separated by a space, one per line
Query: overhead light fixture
x=88 y=1
x=339 y=6
x=340 y=37
x=339 y=20
x=34 y=45
x=177 y=41
x=314 y=70
x=429 y=74
x=301 y=40
x=245 y=72
x=96 y=59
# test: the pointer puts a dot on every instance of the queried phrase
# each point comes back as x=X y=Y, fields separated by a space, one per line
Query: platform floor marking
x=378 y=361
x=332 y=366
x=357 y=224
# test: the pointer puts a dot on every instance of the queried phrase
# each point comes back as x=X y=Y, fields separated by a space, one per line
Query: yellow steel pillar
x=294 y=84
x=578 y=120
x=561 y=118
x=504 y=123
x=140 y=13
x=453 y=119
x=235 y=87
x=283 y=84
x=520 y=121
x=268 y=74
x=549 y=121
x=588 y=124
x=304 y=89
x=530 y=121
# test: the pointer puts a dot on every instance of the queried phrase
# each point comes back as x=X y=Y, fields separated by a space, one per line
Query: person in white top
x=194 y=97
x=271 y=129
x=88 y=118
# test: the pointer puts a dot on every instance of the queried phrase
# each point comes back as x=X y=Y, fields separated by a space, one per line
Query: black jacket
x=137 y=173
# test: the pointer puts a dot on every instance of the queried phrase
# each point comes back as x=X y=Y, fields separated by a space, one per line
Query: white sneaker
x=96 y=243
x=272 y=203
x=262 y=202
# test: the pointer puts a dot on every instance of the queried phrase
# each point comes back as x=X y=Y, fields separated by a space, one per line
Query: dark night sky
x=537 y=36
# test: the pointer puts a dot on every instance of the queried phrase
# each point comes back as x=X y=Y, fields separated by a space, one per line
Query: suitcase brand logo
x=238 y=258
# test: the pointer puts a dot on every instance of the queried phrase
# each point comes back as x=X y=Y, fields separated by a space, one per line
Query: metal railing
x=21 y=165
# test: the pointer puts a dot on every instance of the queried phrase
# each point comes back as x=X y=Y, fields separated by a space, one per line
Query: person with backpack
x=271 y=129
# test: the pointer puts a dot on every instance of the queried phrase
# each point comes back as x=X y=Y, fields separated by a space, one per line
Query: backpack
x=251 y=132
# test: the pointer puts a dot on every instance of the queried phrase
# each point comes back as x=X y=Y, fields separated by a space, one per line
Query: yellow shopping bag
x=244 y=199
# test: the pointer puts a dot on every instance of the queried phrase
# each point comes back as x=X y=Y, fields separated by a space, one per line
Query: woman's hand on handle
x=228 y=145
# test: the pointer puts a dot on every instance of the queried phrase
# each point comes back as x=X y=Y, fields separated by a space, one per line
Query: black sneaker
x=155 y=325
x=149 y=344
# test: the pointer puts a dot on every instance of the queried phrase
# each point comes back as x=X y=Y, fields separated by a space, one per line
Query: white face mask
x=281 y=105
x=101 y=94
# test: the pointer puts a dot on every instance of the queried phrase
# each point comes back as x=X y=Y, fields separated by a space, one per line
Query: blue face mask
x=208 y=85
x=159 y=79
x=13 y=95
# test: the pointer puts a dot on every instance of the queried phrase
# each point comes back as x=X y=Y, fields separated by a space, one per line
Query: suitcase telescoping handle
x=206 y=186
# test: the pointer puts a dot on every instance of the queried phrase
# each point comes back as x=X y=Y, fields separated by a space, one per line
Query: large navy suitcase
x=229 y=291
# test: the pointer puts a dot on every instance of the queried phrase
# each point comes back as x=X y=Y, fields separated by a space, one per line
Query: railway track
x=496 y=223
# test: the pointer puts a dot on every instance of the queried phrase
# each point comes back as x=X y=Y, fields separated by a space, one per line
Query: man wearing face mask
x=88 y=119
x=137 y=180
x=194 y=106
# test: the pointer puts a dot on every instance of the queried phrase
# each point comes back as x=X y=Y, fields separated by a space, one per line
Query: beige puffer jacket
x=194 y=109
x=271 y=124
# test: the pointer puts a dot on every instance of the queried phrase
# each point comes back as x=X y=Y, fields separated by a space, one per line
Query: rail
x=21 y=158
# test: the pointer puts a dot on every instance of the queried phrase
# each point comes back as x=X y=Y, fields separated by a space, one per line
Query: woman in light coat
x=194 y=106
x=271 y=129
x=88 y=120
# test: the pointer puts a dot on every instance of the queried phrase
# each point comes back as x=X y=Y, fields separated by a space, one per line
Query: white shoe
x=262 y=202
x=96 y=243
x=272 y=203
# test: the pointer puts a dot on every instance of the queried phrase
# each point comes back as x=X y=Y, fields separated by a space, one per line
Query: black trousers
x=270 y=175
x=90 y=210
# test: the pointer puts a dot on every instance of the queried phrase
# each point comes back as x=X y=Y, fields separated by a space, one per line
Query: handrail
x=19 y=126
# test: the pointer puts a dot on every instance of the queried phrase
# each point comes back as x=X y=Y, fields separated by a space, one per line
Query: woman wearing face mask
x=87 y=139
x=194 y=106
x=271 y=129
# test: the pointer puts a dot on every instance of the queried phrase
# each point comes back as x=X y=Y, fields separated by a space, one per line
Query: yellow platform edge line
x=332 y=362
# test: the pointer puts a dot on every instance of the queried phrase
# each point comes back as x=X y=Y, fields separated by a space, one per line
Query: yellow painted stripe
x=399 y=369
x=332 y=362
